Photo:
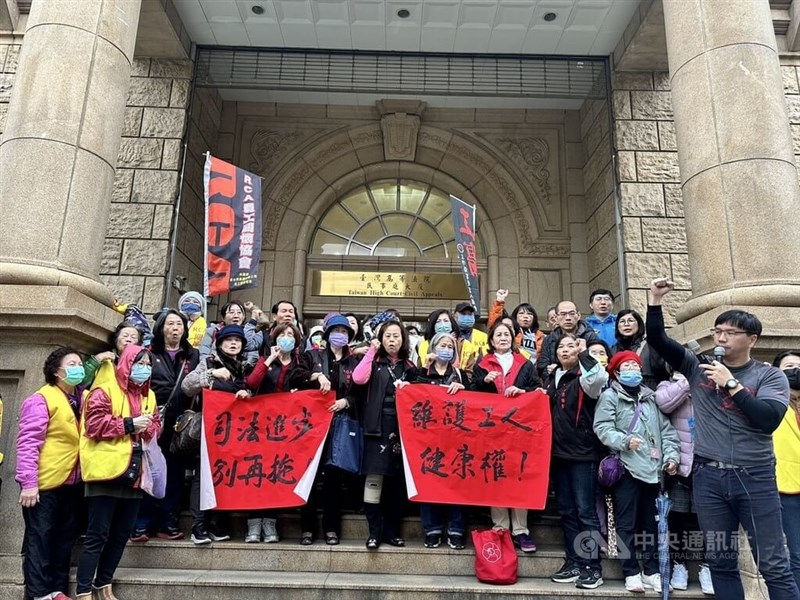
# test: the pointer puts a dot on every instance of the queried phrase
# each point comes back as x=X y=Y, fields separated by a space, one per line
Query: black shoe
x=589 y=579
x=397 y=542
x=433 y=540
x=218 y=536
x=200 y=536
x=456 y=541
x=373 y=543
x=568 y=573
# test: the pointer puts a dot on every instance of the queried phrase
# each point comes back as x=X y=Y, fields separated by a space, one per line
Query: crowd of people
x=615 y=382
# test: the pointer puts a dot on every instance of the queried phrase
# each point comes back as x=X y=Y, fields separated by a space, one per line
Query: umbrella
x=663 y=506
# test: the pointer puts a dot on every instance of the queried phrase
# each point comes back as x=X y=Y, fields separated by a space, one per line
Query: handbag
x=496 y=559
x=347 y=444
x=154 y=470
x=610 y=470
x=188 y=428
x=131 y=474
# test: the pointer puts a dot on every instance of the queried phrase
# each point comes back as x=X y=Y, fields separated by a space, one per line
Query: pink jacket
x=673 y=399
x=33 y=420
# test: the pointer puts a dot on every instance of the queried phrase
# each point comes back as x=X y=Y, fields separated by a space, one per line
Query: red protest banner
x=233 y=227
x=261 y=452
x=475 y=448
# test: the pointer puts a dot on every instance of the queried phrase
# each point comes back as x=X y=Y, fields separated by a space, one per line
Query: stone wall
x=600 y=213
x=136 y=250
x=790 y=67
x=9 y=55
x=202 y=137
x=654 y=235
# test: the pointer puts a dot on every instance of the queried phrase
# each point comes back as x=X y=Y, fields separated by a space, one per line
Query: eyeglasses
x=727 y=332
x=571 y=313
x=627 y=321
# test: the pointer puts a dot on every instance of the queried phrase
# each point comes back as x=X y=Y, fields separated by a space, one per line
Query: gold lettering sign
x=389 y=285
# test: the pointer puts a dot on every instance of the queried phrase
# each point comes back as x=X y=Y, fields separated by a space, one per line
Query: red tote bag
x=496 y=559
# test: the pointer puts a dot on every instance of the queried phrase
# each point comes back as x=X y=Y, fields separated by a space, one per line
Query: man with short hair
x=465 y=319
x=737 y=403
x=603 y=320
x=283 y=311
x=569 y=321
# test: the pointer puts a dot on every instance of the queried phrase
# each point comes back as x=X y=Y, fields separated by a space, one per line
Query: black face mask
x=793 y=375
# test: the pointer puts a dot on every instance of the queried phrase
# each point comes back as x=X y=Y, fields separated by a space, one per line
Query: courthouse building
x=603 y=142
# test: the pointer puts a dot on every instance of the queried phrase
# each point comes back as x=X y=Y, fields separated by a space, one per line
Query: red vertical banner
x=261 y=452
x=466 y=245
x=473 y=448
x=233 y=227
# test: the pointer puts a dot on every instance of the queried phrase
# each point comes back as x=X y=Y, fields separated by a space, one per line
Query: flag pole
x=206 y=179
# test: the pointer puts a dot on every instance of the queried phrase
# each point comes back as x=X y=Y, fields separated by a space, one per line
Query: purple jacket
x=673 y=398
x=33 y=421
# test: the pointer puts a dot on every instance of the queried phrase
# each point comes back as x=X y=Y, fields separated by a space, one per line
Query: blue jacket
x=605 y=329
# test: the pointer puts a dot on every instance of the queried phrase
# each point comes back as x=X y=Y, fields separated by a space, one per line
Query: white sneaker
x=680 y=577
x=653 y=582
x=633 y=583
x=706 y=584
x=269 y=527
x=253 y=531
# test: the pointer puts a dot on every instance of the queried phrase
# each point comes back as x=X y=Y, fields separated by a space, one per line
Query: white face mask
x=413 y=340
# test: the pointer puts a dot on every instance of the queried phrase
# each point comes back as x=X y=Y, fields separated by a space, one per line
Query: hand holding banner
x=261 y=452
x=473 y=448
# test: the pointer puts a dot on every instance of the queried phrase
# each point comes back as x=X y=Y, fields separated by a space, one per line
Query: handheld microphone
x=719 y=353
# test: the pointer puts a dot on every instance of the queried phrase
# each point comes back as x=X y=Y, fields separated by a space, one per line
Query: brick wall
x=598 y=179
x=136 y=249
x=654 y=235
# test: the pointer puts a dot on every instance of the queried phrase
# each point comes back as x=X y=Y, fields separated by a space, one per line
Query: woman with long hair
x=384 y=369
x=505 y=371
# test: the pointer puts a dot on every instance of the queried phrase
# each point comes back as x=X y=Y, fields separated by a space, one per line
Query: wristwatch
x=731 y=384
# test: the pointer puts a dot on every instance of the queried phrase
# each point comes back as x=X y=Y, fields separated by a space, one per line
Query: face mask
x=316 y=340
x=630 y=378
x=466 y=321
x=190 y=309
x=443 y=327
x=793 y=375
x=286 y=344
x=140 y=373
x=413 y=340
x=75 y=374
x=338 y=339
x=444 y=355
x=602 y=359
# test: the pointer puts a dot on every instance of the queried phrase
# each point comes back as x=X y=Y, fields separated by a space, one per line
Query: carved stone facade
x=516 y=166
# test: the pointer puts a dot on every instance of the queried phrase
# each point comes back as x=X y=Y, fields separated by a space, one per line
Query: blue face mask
x=466 y=321
x=140 y=373
x=443 y=327
x=630 y=378
x=75 y=374
x=444 y=355
x=286 y=344
x=190 y=309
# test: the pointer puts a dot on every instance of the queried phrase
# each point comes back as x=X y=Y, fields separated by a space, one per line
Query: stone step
x=544 y=528
x=193 y=584
x=349 y=556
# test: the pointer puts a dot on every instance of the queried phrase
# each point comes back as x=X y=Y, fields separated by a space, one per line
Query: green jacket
x=612 y=418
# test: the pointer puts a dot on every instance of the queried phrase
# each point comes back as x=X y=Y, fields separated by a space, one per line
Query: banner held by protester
x=262 y=452
x=233 y=227
x=473 y=448
x=464 y=227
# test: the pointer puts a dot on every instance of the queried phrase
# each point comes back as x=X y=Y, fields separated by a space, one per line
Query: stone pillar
x=738 y=174
x=61 y=141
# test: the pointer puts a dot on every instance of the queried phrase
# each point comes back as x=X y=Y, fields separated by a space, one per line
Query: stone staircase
x=233 y=570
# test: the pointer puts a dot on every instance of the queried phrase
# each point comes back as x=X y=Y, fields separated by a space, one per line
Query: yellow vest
x=105 y=373
x=59 y=453
x=469 y=351
x=196 y=331
x=786 y=440
x=105 y=460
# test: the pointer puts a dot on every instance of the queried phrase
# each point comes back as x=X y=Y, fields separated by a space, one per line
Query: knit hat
x=230 y=331
x=619 y=358
x=337 y=320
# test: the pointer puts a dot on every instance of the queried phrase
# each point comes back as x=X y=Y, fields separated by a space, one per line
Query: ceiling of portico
x=580 y=27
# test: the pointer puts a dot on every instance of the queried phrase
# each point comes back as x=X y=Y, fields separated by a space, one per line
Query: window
x=388 y=218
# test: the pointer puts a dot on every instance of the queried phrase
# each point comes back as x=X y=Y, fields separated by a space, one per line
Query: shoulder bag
x=610 y=470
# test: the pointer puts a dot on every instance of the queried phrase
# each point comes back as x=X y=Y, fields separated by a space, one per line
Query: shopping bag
x=496 y=559
x=347 y=444
x=154 y=470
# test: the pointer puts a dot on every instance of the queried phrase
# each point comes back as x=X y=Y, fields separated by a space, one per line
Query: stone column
x=61 y=142
x=738 y=173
